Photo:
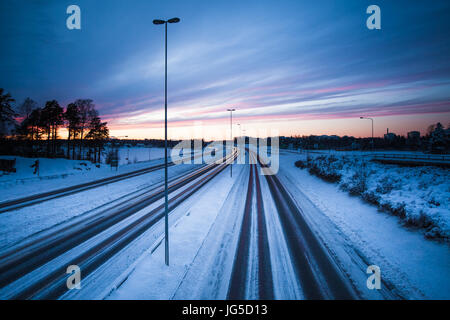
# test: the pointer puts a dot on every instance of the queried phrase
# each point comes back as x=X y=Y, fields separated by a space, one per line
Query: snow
x=286 y=286
x=204 y=229
x=59 y=173
x=18 y=225
x=352 y=228
x=129 y=155
x=152 y=279
x=418 y=195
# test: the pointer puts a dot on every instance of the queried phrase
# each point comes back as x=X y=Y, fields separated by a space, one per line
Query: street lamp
x=366 y=118
x=166 y=194
x=232 y=141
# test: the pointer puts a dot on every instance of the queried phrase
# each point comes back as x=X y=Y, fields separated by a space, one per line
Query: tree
x=52 y=119
x=98 y=132
x=7 y=113
x=35 y=122
x=87 y=112
x=72 y=118
x=23 y=130
x=26 y=128
x=430 y=129
x=439 y=141
x=27 y=107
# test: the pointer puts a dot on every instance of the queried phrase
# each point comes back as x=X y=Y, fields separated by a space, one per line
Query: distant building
x=326 y=137
x=389 y=135
x=414 y=135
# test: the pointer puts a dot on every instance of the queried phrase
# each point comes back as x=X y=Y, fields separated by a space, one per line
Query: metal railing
x=433 y=157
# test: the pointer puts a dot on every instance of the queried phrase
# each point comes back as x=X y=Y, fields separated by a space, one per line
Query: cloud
x=284 y=60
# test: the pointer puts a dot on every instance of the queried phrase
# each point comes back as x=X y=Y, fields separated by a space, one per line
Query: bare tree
x=27 y=107
x=430 y=129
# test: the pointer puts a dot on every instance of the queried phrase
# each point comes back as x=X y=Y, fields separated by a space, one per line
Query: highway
x=37 y=269
x=316 y=272
x=23 y=260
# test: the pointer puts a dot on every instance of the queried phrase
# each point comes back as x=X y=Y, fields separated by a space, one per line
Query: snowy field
x=60 y=173
x=129 y=155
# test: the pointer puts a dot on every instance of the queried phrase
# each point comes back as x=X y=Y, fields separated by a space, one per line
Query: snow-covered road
x=355 y=234
x=205 y=230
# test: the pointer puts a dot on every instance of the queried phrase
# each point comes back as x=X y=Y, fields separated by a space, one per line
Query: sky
x=288 y=67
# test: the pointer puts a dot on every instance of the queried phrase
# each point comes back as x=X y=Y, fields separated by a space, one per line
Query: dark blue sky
x=296 y=66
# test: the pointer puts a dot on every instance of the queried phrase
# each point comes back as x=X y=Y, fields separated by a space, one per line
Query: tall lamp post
x=366 y=118
x=166 y=194
x=232 y=141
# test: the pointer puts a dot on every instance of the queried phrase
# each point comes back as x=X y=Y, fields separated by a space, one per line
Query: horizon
x=313 y=75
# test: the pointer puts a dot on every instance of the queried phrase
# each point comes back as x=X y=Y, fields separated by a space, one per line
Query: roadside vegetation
x=419 y=196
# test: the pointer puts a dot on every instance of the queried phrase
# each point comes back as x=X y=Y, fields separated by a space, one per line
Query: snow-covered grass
x=129 y=155
x=419 y=196
x=56 y=173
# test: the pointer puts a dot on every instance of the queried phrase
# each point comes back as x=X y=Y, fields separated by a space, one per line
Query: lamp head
x=173 y=20
x=158 y=21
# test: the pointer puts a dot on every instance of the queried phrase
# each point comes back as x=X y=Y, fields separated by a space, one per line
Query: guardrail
x=434 y=157
x=394 y=158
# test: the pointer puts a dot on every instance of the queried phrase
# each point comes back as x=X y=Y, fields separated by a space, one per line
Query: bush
x=300 y=164
x=436 y=233
x=434 y=202
x=420 y=221
x=371 y=197
x=397 y=210
x=397 y=192
x=385 y=185
x=325 y=168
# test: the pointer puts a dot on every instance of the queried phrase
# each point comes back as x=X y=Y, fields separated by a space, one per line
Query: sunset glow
x=293 y=67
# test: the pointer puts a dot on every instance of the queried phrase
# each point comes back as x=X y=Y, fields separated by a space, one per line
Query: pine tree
x=72 y=117
x=98 y=132
x=52 y=118
x=7 y=113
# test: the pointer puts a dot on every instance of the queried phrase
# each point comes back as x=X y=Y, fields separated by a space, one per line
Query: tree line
x=435 y=140
x=38 y=126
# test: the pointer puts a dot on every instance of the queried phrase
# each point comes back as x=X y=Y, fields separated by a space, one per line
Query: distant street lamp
x=366 y=118
x=232 y=141
x=166 y=193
